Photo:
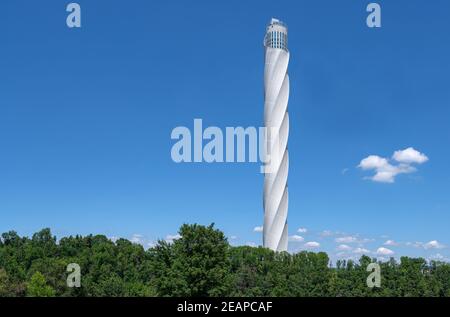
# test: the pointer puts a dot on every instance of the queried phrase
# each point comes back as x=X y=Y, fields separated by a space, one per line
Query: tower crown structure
x=276 y=121
x=276 y=35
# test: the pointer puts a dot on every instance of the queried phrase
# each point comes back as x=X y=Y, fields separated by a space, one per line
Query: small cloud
x=414 y=244
x=312 y=245
x=296 y=238
x=302 y=230
x=258 y=229
x=385 y=171
x=433 y=245
x=347 y=239
x=365 y=240
x=347 y=256
x=361 y=251
x=250 y=244
x=343 y=247
x=439 y=257
x=373 y=162
x=391 y=243
x=142 y=240
x=410 y=155
x=113 y=239
x=171 y=238
x=136 y=238
x=233 y=237
x=344 y=171
x=384 y=251
x=326 y=233
x=382 y=259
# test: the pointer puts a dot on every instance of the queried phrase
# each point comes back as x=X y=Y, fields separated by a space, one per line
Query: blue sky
x=86 y=116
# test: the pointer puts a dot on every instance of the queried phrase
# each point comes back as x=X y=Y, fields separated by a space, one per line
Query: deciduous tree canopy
x=200 y=263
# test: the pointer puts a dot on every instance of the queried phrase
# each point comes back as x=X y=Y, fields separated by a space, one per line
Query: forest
x=200 y=263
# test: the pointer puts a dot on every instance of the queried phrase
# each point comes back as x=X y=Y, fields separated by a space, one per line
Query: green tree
x=250 y=268
x=200 y=263
x=197 y=264
x=4 y=284
x=37 y=287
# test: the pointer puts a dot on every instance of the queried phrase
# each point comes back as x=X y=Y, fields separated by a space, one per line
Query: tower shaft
x=276 y=121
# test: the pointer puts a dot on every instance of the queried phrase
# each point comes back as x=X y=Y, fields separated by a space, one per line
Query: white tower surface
x=276 y=121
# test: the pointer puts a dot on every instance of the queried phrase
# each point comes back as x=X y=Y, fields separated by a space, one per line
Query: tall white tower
x=276 y=120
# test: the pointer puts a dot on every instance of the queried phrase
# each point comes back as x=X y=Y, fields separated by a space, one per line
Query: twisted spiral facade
x=276 y=121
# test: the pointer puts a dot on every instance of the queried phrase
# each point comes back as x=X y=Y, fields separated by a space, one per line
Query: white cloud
x=439 y=257
x=409 y=155
x=302 y=230
x=365 y=240
x=388 y=173
x=250 y=244
x=326 y=233
x=373 y=162
x=137 y=238
x=385 y=172
x=170 y=238
x=312 y=245
x=346 y=255
x=361 y=251
x=113 y=238
x=385 y=251
x=433 y=245
x=391 y=243
x=414 y=244
x=343 y=247
x=142 y=240
x=347 y=239
x=258 y=229
x=296 y=238
x=233 y=237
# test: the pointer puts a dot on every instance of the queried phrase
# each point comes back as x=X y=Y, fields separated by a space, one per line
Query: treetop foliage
x=200 y=263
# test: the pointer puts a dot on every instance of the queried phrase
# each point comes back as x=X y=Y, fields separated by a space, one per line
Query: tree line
x=200 y=263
